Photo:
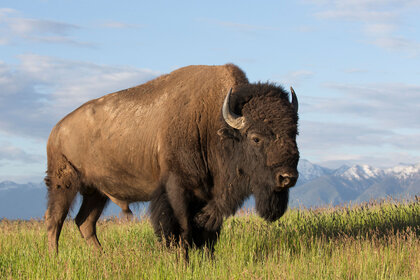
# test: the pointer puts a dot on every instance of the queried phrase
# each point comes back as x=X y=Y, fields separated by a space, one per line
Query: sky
x=354 y=64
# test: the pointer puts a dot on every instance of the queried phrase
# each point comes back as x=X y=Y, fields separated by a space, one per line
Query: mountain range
x=317 y=186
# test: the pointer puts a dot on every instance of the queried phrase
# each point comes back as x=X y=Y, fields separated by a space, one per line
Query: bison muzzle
x=196 y=143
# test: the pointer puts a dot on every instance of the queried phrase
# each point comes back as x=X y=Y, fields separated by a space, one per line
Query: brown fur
x=166 y=141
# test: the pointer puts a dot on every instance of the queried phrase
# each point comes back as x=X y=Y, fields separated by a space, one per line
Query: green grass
x=369 y=241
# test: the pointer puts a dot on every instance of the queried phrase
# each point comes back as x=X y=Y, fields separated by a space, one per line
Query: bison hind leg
x=92 y=206
x=63 y=184
x=163 y=219
x=124 y=205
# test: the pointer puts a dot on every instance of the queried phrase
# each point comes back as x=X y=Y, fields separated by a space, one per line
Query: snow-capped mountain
x=309 y=171
x=355 y=183
x=360 y=172
x=404 y=171
x=316 y=186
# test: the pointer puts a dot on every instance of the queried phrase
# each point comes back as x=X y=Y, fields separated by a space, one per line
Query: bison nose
x=285 y=180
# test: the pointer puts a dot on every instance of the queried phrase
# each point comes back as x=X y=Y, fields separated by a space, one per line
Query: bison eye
x=256 y=139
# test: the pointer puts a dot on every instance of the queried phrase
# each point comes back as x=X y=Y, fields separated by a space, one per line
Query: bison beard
x=271 y=205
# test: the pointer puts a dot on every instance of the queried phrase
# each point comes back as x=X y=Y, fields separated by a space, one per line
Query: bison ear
x=227 y=133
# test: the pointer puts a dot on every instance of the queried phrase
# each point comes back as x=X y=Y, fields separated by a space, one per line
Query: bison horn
x=295 y=102
x=232 y=119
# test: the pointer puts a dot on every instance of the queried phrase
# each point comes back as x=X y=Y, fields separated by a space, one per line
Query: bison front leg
x=169 y=214
x=211 y=216
x=179 y=201
x=162 y=217
x=223 y=204
x=203 y=237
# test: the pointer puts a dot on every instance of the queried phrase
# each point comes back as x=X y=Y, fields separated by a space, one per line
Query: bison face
x=274 y=156
x=265 y=147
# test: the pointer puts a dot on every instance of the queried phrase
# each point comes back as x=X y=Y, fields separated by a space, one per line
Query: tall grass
x=369 y=241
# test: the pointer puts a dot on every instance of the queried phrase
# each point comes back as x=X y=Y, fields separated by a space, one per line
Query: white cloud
x=41 y=90
x=15 y=27
x=9 y=152
x=378 y=160
x=354 y=70
x=356 y=13
x=391 y=105
x=381 y=20
x=120 y=25
x=378 y=29
x=236 y=26
x=332 y=135
x=25 y=26
x=59 y=40
x=333 y=143
x=376 y=124
x=398 y=44
x=6 y=11
x=294 y=78
x=305 y=28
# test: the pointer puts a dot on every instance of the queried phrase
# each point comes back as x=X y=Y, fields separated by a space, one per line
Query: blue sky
x=355 y=66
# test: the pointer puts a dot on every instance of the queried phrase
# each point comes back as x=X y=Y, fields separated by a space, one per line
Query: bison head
x=262 y=125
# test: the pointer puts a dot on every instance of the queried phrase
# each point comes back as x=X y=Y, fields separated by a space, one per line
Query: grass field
x=369 y=241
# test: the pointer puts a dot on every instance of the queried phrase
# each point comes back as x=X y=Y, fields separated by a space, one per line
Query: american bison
x=196 y=143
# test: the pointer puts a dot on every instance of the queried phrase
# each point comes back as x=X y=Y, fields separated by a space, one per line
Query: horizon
x=315 y=188
x=322 y=166
x=353 y=65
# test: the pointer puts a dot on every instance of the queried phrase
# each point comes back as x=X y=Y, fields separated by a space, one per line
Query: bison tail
x=61 y=174
x=63 y=183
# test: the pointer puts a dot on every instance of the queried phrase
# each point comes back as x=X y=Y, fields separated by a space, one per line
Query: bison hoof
x=209 y=221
